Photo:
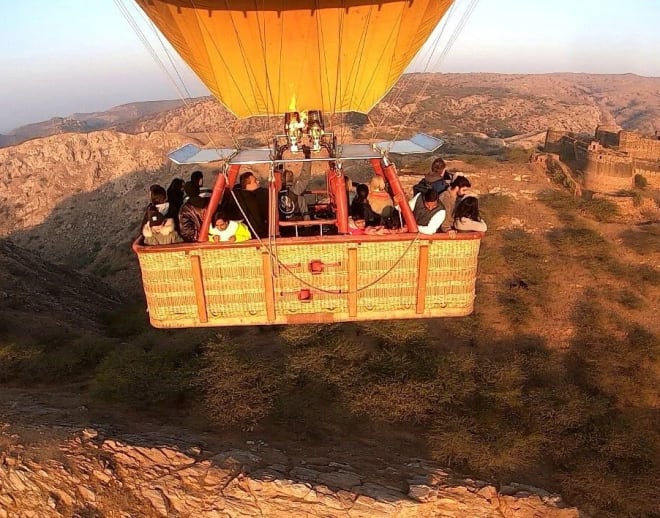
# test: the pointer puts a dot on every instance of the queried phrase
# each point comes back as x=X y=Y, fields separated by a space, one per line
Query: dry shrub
x=338 y=361
x=599 y=209
x=494 y=207
x=643 y=240
x=397 y=332
x=144 y=378
x=395 y=402
x=239 y=388
x=480 y=444
x=297 y=335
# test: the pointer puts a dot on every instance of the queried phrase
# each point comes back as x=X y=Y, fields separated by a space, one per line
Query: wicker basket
x=310 y=280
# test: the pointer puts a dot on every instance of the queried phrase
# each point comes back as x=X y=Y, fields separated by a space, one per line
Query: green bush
x=640 y=181
x=239 y=388
x=600 y=209
x=144 y=378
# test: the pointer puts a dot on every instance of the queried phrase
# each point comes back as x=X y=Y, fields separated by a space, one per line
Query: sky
x=66 y=56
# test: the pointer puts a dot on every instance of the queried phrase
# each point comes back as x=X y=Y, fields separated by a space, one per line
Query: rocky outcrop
x=33 y=287
x=78 y=199
x=96 y=476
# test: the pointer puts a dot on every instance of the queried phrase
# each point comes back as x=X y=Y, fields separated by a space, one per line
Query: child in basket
x=224 y=229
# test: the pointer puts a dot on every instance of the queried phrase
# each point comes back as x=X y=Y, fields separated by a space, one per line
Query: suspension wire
x=444 y=53
x=141 y=36
x=407 y=79
x=185 y=99
x=271 y=248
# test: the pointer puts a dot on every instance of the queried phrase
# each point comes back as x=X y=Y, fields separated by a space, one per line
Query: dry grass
x=502 y=406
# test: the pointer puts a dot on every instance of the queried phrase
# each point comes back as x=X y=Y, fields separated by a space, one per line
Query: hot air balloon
x=303 y=60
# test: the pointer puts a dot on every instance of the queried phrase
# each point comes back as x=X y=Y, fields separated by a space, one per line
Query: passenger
x=458 y=188
x=159 y=230
x=224 y=229
x=361 y=209
x=292 y=204
x=175 y=199
x=191 y=216
x=158 y=198
x=428 y=211
x=197 y=178
x=254 y=202
x=350 y=190
x=191 y=190
x=466 y=216
x=379 y=199
x=356 y=223
x=439 y=177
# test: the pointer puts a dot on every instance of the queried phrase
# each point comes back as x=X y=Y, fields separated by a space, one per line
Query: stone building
x=610 y=159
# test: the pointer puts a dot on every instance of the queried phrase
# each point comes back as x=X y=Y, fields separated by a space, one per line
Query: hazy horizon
x=68 y=58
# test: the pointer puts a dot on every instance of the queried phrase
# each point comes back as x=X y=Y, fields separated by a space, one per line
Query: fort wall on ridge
x=610 y=159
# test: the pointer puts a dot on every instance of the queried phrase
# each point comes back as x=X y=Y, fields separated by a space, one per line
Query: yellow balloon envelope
x=268 y=57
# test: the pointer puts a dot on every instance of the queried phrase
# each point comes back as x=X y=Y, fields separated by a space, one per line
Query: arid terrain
x=552 y=383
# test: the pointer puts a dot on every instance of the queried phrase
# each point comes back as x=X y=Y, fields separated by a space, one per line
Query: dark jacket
x=190 y=223
x=255 y=206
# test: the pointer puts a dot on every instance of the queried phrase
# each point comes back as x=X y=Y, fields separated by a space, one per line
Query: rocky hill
x=498 y=105
x=83 y=122
x=78 y=198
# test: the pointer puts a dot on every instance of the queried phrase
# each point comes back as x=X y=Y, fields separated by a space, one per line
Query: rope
x=403 y=84
x=452 y=39
x=186 y=100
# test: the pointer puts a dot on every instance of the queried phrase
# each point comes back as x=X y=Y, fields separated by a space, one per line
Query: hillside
x=77 y=199
x=553 y=382
x=499 y=105
x=84 y=122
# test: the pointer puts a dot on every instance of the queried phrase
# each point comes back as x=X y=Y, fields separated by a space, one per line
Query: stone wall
x=649 y=170
x=553 y=140
x=611 y=161
x=639 y=146
x=608 y=136
x=606 y=171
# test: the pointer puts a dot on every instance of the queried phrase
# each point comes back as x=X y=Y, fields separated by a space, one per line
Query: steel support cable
x=456 y=34
x=138 y=31
x=273 y=255
x=445 y=51
x=408 y=78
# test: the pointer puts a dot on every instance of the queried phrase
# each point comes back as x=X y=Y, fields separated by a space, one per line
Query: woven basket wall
x=235 y=280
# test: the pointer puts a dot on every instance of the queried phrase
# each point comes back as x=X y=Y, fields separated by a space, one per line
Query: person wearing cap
x=159 y=230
